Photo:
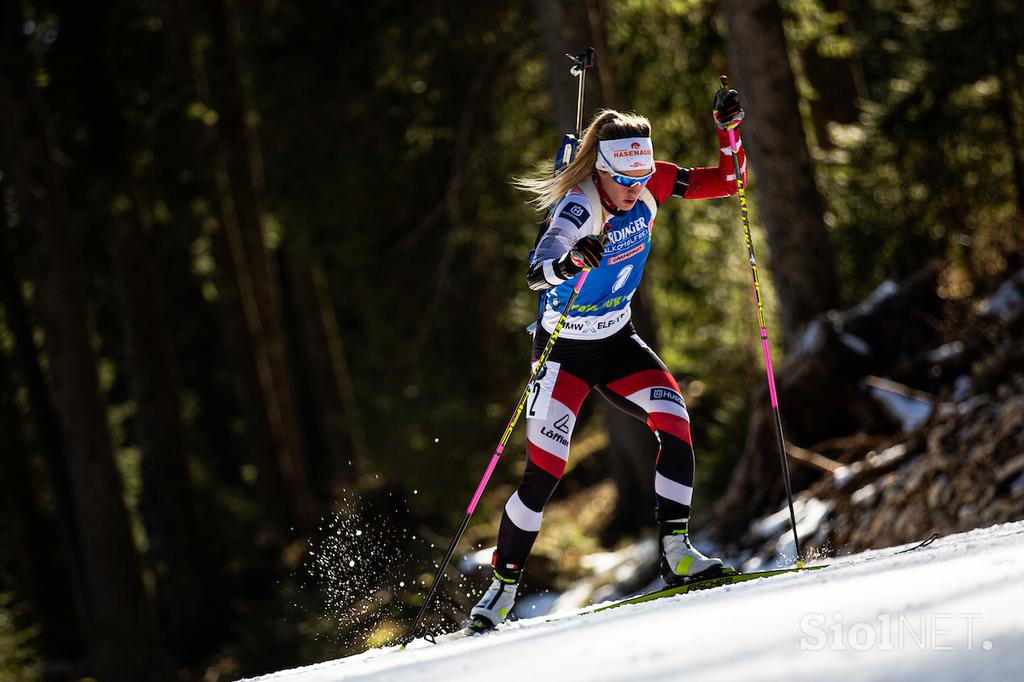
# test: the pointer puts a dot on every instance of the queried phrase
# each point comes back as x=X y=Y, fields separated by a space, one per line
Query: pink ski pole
x=734 y=148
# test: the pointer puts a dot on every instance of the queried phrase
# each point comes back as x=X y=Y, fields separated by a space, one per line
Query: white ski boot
x=682 y=563
x=494 y=607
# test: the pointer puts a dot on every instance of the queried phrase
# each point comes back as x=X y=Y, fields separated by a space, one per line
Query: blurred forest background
x=263 y=281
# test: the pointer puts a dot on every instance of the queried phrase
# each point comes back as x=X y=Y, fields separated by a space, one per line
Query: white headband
x=630 y=154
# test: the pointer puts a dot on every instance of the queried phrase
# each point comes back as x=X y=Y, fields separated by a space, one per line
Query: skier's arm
x=706 y=182
x=699 y=183
x=566 y=247
x=709 y=182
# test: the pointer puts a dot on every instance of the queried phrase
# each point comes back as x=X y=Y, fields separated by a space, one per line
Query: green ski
x=728 y=578
x=705 y=584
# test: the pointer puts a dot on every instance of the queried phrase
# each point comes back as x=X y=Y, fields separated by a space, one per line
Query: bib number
x=539 y=399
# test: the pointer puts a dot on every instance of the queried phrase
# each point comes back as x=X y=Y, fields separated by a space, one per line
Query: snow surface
x=953 y=610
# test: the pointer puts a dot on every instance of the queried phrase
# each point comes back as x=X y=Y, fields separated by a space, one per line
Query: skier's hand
x=727 y=110
x=587 y=253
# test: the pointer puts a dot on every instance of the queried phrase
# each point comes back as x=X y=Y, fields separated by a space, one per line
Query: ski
x=726 y=578
x=729 y=577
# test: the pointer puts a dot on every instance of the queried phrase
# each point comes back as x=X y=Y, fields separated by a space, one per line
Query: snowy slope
x=950 y=611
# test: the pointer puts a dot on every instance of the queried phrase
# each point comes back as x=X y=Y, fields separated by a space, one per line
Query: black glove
x=728 y=112
x=587 y=253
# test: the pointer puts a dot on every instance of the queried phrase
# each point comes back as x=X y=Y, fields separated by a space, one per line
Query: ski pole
x=581 y=63
x=734 y=148
x=496 y=456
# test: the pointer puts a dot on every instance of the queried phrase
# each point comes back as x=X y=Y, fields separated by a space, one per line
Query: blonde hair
x=608 y=124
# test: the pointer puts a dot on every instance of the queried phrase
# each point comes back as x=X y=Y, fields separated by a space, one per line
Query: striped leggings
x=632 y=377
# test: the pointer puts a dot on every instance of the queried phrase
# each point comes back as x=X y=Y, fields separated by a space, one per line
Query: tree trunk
x=566 y=30
x=597 y=16
x=340 y=421
x=261 y=388
x=189 y=64
x=178 y=550
x=178 y=547
x=245 y=174
x=29 y=553
x=1007 y=45
x=788 y=202
x=838 y=82
x=123 y=643
x=46 y=426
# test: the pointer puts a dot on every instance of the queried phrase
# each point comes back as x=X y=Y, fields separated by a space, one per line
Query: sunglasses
x=625 y=180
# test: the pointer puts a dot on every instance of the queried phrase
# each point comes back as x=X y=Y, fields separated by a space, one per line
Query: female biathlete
x=605 y=202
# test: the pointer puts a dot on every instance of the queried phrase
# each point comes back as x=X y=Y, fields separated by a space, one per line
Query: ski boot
x=497 y=602
x=681 y=562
